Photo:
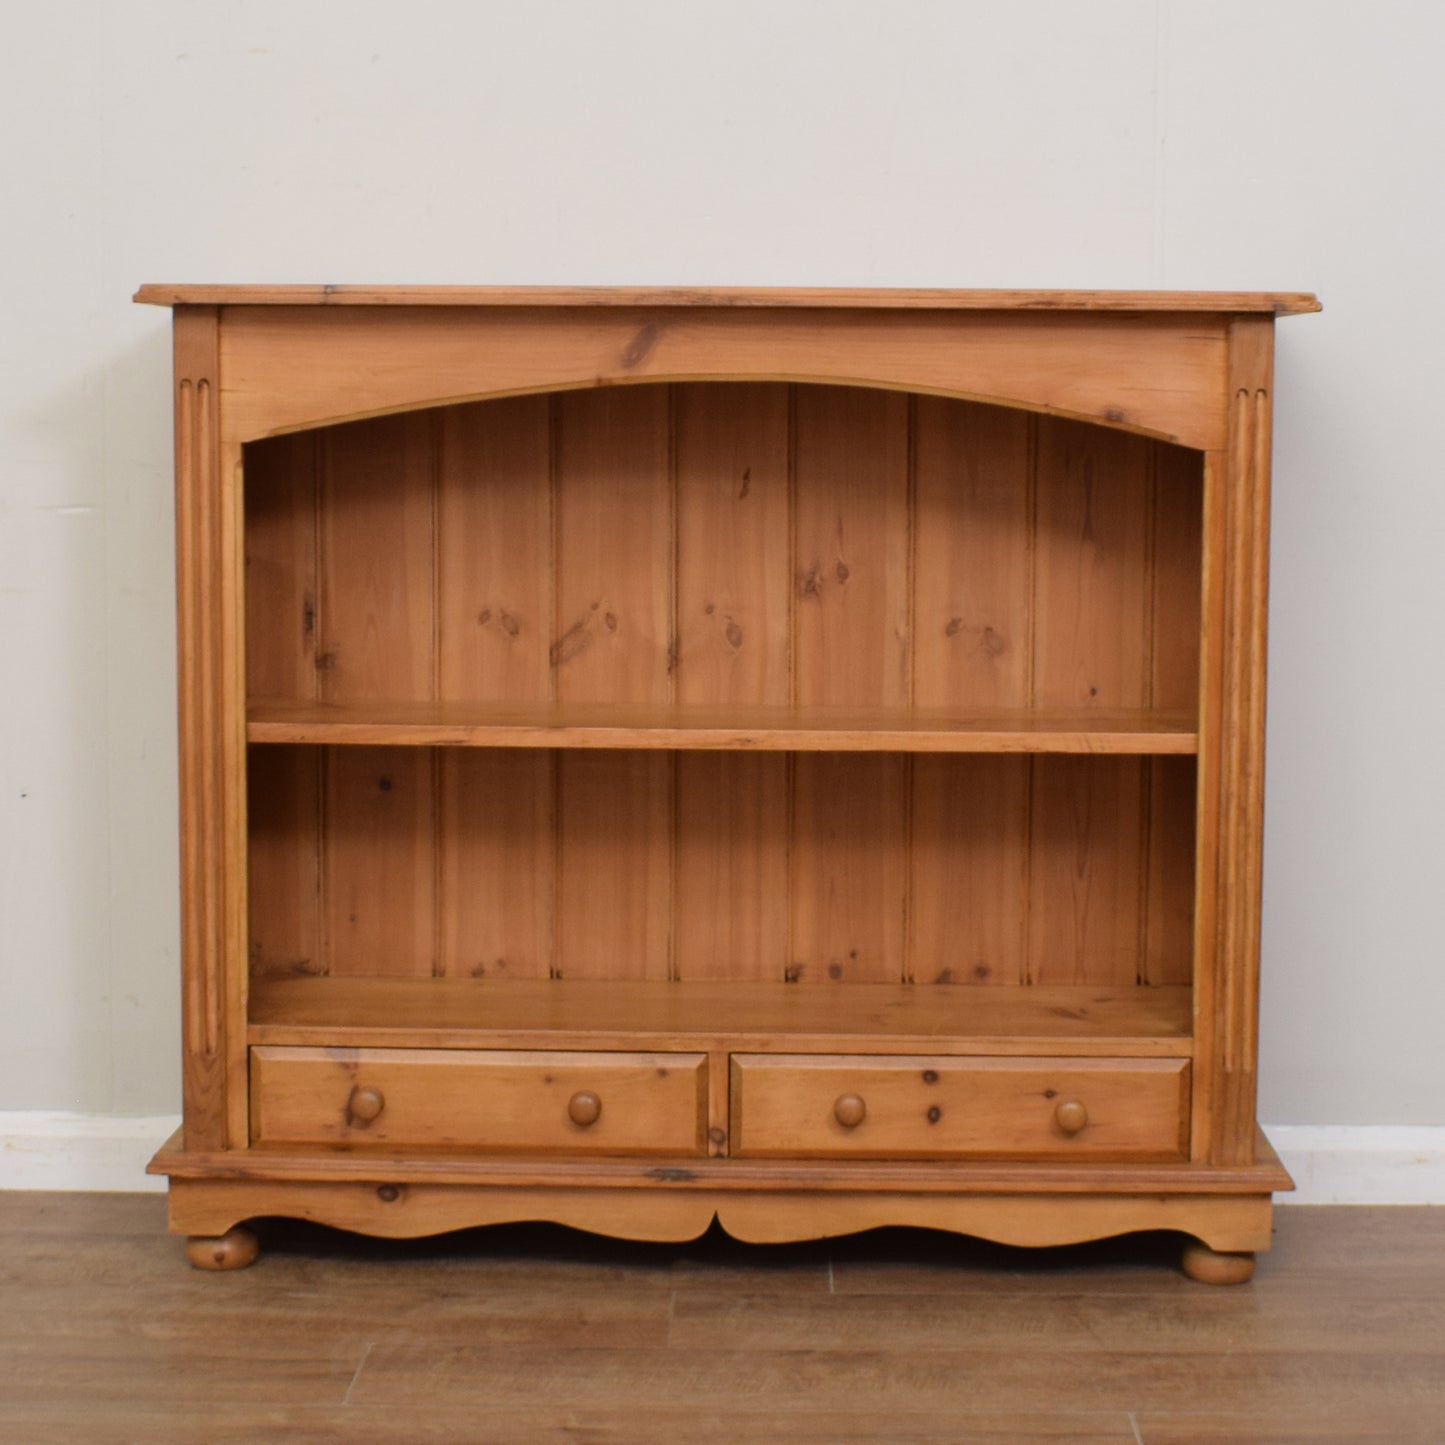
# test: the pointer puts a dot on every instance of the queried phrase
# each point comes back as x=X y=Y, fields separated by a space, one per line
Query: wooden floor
x=535 y=1333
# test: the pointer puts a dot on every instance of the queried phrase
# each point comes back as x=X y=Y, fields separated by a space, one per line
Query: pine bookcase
x=787 y=757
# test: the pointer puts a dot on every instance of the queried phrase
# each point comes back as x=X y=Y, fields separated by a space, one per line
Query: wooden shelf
x=848 y=1018
x=735 y=729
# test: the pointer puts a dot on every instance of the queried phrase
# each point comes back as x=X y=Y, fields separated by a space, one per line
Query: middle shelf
x=741 y=728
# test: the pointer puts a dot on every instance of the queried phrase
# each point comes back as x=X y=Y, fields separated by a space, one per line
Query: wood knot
x=641 y=344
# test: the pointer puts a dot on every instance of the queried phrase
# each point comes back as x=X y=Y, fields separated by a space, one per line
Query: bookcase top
x=1279 y=303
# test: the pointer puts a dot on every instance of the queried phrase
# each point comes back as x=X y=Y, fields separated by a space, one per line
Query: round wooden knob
x=583 y=1107
x=849 y=1110
x=1071 y=1116
x=365 y=1104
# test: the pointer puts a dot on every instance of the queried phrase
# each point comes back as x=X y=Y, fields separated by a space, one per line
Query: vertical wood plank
x=495 y=840
x=1175 y=579
x=1169 y=940
x=852 y=556
x=1175 y=576
x=970 y=869
x=494 y=544
x=850 y=868
x=376 y=641
x=281 y=567
x=613 y=642
x=851 y=646
x=284 y=864
x=731 y=475
x=972 y=555
x=1085 y=863
x=1092 y=596
x=971 y=648
x=283 y=784
x=376 y=578
x=1092 y=631
x=378 y=901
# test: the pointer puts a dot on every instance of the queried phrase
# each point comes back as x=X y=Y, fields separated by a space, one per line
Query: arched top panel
x=285 y=368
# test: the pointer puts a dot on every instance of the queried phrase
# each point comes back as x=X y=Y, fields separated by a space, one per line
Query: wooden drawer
x=880 y=1107
x=597 y=1103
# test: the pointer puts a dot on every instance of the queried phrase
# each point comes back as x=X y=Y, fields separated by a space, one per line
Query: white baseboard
x=81 y=1151
x=1362 y=1163
x=1331 y=1163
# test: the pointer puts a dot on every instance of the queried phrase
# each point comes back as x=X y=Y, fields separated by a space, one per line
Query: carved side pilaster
x=1230 y=982
x=199 y=672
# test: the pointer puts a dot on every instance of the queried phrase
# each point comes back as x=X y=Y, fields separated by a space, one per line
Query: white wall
x=1286 y=144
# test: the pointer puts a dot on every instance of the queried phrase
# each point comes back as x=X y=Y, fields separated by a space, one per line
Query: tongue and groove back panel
x=723 y=543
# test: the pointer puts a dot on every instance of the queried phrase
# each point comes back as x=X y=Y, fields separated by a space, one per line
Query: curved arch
x=292 y=369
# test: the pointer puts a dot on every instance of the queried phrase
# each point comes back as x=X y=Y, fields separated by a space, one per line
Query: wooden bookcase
x=786 y=756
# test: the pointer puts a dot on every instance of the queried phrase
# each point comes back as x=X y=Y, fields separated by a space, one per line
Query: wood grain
x=613 y=643
x=1278 y=303
x=283 y=861
x=291 y=367
x=1231 y=1086
x=210 y=871
x=785 y=1106
x=1337 y=1342
x=376 y=638
x=210 y=1206
x=735 y=728
x=851 y=647
x=773 y=1179
x=378 y=889
x=1091 y=649
x=730 y=461
x=633 y=660
x=714 y=1014
x=496 y=842
x=283 y=784
x=647 y=1103
x=1085 y=871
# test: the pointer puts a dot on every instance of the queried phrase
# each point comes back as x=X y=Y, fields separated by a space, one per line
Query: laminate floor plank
x=535 y=1333
x=1389 y=1427
x=551 y=1421
x=791 y=1378
x=1076 y=1322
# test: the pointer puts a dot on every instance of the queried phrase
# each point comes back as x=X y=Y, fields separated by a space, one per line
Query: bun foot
x=1212 y=1266
x=233 y=1250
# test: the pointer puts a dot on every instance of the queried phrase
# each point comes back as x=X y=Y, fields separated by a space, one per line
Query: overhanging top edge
x=1278 y=303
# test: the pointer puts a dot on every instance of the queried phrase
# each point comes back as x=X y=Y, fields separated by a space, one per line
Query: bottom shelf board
x=386 y=1171
x=841 y=1018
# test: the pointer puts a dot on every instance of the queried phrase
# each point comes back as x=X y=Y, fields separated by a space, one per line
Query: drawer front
x=874 y=1107
x=592 y=1103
